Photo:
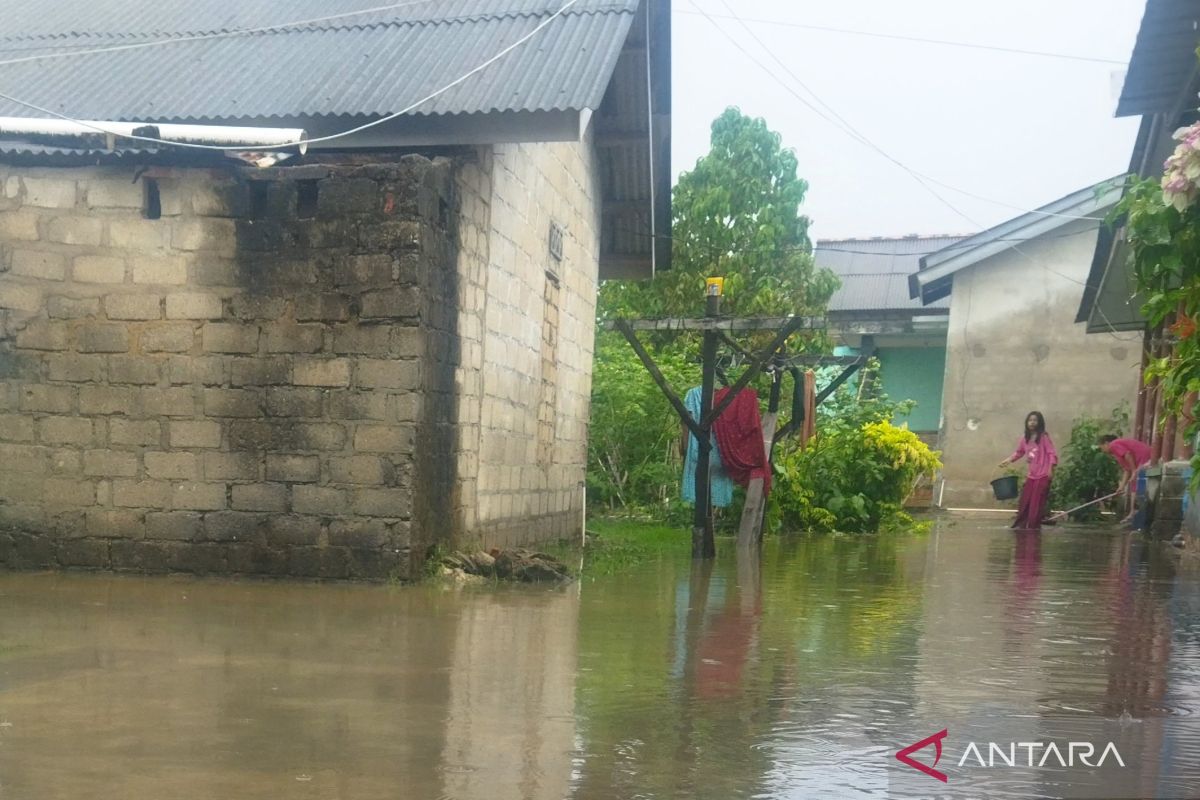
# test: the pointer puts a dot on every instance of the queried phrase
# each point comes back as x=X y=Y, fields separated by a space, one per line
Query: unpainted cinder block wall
x=229 y=370
x=310 y=371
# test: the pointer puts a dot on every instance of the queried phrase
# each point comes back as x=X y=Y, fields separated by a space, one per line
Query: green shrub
x=1084 y=471
x=633 y=441
x=855 y=475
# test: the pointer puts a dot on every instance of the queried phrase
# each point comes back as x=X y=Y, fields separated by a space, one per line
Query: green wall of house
x=915 y=373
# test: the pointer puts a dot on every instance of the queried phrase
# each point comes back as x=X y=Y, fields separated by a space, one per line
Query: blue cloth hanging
x=720 y=485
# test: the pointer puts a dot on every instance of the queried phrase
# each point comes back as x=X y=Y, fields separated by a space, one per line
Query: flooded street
x=797 y=677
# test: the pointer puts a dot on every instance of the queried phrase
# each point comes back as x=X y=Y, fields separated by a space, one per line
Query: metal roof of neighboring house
x=362 y=65
x=874 y=272
x=1164 y=58
x=936 y=275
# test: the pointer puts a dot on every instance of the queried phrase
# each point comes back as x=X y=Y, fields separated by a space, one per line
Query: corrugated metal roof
x=121 y=19
x=935 y=278
x=367 y=65
x=874 y=272
x=1164 y=58
x=18 y=152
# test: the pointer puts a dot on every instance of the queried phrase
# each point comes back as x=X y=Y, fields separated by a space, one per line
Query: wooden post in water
x=703 y=541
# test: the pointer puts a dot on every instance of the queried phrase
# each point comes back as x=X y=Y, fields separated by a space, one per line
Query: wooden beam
x=873 y=328
x=824 y=394
x=751 y=527
x=720 y=324
x=822 y=361
x=793 y=325
x=655 y=373
x=737 y=348
x=703 y=543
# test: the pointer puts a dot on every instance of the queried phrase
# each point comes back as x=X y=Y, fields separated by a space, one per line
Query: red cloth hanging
x=740 y=439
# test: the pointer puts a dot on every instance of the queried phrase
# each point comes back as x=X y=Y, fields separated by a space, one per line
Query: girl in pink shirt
x=1036 y=447
x=1132 y=455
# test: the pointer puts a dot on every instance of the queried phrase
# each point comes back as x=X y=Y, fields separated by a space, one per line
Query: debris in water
x=526 y=566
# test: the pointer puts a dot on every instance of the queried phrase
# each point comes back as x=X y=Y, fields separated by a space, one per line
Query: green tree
x=737 y=216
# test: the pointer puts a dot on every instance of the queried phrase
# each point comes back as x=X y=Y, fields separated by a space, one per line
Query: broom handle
x=1085 y=505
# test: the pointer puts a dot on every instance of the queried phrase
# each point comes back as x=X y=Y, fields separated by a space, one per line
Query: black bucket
x=1005 y=488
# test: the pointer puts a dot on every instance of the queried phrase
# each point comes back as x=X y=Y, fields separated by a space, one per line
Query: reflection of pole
x=703 y=545
x=698 y=583
x=749 y=578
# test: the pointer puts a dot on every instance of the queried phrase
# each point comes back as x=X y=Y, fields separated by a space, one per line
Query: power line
x=918 y=39
x=846 y=127
x=317 y=139
x=842 y=124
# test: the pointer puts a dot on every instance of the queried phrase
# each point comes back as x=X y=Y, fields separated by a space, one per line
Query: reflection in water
x=510 y=727
x=154 y=688
x=797 y=675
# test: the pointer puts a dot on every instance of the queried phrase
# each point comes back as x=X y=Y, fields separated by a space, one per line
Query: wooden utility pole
x=704 y=543
x=714 y=329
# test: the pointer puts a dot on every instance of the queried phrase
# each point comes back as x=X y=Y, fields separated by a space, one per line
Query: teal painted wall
x=915 y=373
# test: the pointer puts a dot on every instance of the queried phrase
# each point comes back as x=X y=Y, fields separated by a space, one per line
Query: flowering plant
x=1181 y=172
x=1162 y=231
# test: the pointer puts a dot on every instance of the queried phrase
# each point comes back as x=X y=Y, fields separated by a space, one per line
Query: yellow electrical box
x=713 y=287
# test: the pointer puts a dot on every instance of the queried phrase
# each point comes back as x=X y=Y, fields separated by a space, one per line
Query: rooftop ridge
x=57 y=38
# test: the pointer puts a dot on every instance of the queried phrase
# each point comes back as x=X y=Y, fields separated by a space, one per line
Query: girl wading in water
x=1035 y=447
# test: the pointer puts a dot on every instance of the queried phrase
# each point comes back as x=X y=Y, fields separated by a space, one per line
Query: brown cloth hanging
x=809 y=429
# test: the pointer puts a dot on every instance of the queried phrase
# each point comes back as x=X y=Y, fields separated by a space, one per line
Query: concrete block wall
x=1013 y=347
x=527 y=323
x=236 y=386
x=1168 y=516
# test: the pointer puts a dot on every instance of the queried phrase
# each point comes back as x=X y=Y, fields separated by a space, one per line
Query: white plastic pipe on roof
x=219 y=135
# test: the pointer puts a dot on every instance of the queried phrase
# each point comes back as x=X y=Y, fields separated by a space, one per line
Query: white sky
x=1020 y=129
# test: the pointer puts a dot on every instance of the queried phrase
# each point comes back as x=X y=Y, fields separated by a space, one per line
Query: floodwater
x=798 y=676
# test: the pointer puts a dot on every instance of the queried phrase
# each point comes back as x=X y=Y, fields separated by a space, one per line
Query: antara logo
x=1010 y=754
x=936 y=740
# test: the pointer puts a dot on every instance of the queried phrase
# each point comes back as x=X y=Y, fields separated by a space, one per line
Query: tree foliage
x=737 y=216
x=633 y=445
x=1162 y=229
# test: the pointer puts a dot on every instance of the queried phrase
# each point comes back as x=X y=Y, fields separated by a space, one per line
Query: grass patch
x=615 y=545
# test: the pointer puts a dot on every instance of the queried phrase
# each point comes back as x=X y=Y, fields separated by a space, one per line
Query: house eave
x=934 y=279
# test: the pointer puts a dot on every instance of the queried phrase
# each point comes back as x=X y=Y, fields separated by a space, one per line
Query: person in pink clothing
x=1037 y=449
x=1132 y=455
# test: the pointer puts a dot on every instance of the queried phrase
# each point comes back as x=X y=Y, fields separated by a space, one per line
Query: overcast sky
x=1019 y=129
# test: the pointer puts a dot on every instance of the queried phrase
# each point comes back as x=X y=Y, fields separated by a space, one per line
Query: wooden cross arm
x=700 y=433
x=793 y=324
x=716 y=324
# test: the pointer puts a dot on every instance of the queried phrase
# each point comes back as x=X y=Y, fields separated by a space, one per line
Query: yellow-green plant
x=856 y=474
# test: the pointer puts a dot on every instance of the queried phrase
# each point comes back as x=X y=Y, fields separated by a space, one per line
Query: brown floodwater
x=798 y=675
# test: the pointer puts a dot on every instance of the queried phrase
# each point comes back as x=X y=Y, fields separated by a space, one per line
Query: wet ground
x=800 y=676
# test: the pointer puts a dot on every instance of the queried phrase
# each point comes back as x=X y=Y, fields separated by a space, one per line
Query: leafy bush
x=633 y=442
x=1085 y=472
x=855 y=475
